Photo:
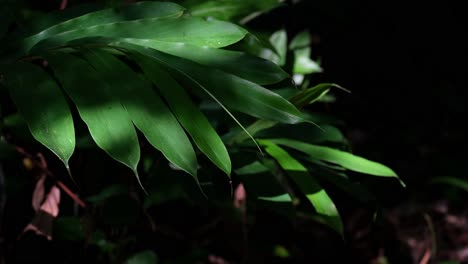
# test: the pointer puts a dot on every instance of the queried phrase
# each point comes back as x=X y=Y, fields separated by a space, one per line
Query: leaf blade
x=236 y=93
x=131 y=12
x=344 y=159
x=241 y=64
x=318 y=197
x=31 y=87
x=190 y=30
x=108 y=122
x=147 y=111
x=190 y=117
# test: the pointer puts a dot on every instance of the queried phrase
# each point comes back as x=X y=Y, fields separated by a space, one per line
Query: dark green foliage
x=149 y=67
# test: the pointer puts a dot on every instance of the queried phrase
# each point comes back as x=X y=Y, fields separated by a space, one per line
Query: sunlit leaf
x=110 y=16
x=146 y=109
x=190 y=117
x=279 y=40
x=190 y=30
x=344 y=159
x=306 y=183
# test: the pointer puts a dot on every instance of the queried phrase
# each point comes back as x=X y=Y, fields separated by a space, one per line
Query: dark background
x=406 y=65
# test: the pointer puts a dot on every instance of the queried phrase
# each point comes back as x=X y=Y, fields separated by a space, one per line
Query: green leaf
x=324 y=134
x=147 y=111
x=190 y=30
x=301 y=40
x=252 y=168
x=56 y=17
x=452 y=181
x=143 y=257
x=344 y=159
x=246 y=66
x=306 y=183
x=279 y=40
x=223 y=10
x=190 y=117
x=230 y=9
x=263 y=181
x=303 y=64
x=44 y=108
x=311 y=95
x=108 y=122
x=110 y=16
x=236 y=93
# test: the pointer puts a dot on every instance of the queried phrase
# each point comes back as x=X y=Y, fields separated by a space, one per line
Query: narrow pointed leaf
x=131 y=12
x=108 y=122
x=147 y=111
x=297 y=131
x=241 y=64
x=344 y=159
x=319 y=198
x=311 y=95
x=188 y=30
x=190 y=117
x=236 y=93
x=43 y=107
x=452 y=181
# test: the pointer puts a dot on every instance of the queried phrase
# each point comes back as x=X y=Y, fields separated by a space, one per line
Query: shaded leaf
x=230 y=9
x=143 y=257
x=248 y=67
x=190 y=117
x=311 y=95
x=252 y=168
x=44 y=108
x=108 y=122
x=236 y=93
x=452 y=181
x=279 y=40
x=313 y=134
x=147 y=111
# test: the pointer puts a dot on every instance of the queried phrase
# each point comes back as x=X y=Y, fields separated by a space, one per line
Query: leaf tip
x=139 y=182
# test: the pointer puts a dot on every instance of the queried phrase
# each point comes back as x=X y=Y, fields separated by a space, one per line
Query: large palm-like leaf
x=85 y=55
x=142 y=65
